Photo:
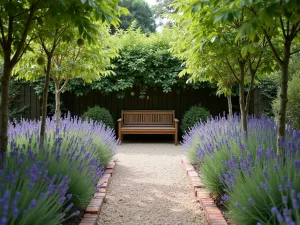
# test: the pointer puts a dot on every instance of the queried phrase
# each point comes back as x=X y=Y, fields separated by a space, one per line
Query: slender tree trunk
x=57 y=103
x=242 y=97
x=9 y=62
x=248 y=98
x=283 y=95
x=4 y=110
x=45 y=99
x=229 y=105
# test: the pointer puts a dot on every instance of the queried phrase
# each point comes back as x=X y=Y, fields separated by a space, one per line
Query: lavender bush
x=267 y=190
x=258 y=186
x=77 y=149
x=28 y=195
x=214 y=143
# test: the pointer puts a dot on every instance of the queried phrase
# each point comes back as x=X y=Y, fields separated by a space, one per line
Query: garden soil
x=149 y=186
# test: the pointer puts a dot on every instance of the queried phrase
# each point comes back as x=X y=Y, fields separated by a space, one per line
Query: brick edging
x=213 y=214
x=91 y=213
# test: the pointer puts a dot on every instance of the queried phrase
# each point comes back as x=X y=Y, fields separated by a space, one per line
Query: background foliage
x=140 y=12
x=144 y=61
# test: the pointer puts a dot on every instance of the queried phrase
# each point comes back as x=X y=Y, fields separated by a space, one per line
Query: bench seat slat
x=148 y=128
x=146 y=125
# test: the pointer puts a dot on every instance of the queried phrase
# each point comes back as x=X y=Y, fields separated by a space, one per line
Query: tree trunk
x=283 y=95
x=4 y=110
x=45 y=99
x=57 y=103
x=248 y=98
x=229 y=105
x=242 y=97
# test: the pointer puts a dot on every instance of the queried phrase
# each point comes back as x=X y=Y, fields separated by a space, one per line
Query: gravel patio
x=150 y=187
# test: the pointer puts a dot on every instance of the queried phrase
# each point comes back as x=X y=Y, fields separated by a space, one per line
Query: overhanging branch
x=282 y=27
x=232 y=70
x=2 y=33
x=278 y=59
x=20 y=48
x=295 y=52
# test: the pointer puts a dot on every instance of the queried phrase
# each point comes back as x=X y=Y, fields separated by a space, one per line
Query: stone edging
x=212 y=212
x=92 y=211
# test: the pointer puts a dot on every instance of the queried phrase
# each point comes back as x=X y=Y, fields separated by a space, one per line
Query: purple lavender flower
x=275 y=168
x=265 y=173
x=3 y=221
x=284 y=199
x=225 y=197
x=295 y=203
x=251 y=201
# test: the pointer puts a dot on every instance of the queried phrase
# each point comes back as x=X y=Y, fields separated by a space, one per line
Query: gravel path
x=150 y=187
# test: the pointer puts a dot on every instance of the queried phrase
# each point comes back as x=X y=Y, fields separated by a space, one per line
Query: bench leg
x=176 y=139
x=120 y=138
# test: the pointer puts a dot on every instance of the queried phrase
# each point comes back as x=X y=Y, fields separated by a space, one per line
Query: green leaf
x=196 y=7
x=295 y=18
x=218 y=18
x=251 y=49
x=244 y=51
x=213 y=39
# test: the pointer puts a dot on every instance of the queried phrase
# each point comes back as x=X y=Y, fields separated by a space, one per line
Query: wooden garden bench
x=148 y=122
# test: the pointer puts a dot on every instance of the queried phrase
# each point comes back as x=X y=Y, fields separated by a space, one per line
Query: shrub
x=77 y=149
x=215 y=142
x=99 y=114
x=28 y=195
x=267 y=190
x=293 y=105
x=192 y=116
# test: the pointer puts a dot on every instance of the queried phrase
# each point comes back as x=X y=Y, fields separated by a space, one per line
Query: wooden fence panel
x=178 y=100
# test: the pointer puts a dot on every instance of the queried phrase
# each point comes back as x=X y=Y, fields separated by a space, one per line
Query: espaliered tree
x=279 y=21
x=18 y=20
x=205 y=43
x=70 y=60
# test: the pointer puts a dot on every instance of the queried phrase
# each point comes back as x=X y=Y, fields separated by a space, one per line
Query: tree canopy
x=139 y=11
x=18 y=23
x=161 y=9
x=204 y=44
x=144 y=61
x=70 y=60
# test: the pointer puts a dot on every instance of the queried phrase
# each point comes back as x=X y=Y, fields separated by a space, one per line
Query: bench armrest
x=175 y=124
x=120 y=122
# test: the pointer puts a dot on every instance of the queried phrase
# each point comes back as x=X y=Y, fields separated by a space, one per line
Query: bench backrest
x=148 y=117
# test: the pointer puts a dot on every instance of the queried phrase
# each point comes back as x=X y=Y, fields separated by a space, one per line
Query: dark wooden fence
x=179 y=101
x=29 y=99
